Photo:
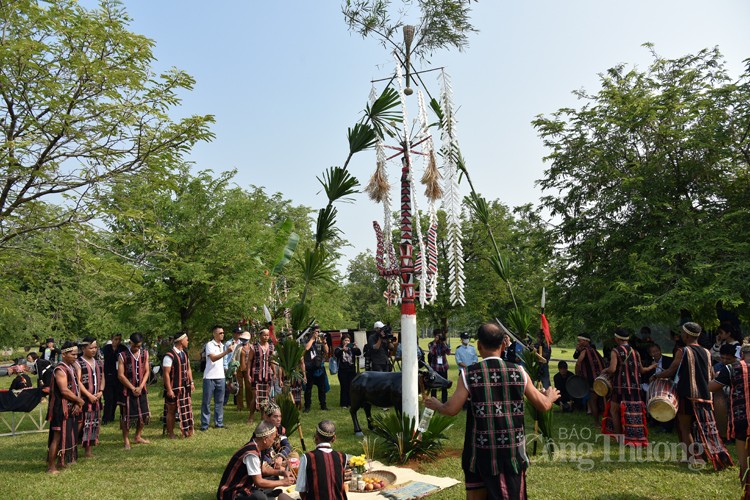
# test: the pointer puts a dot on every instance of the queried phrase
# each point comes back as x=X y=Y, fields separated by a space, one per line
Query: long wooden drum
x=602 y=385
x=662 y=400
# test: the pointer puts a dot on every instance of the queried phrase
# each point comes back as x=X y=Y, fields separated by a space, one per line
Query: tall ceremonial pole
x=409 y=368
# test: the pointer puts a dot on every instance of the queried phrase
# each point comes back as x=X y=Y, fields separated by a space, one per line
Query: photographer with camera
x=380 y=344
x=438 y=359
x=316 y=352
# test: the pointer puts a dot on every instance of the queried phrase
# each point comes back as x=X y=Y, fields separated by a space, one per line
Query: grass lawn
x=192 y=468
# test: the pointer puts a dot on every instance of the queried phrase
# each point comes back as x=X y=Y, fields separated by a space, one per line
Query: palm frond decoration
x=520 y=320
x=299 y=315
x=451 y=195
x=362 y=136
x=338 y=184
x=325 y=226
x=383 y=113
x=317 y=266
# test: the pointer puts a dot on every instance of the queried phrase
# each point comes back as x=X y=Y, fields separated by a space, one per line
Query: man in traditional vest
x=178 y=388
x=736 y=376
x=242 y=477
x=322 y=471
x=64 y=407
x=589 y=364
x=696 y=423
x=494 y=458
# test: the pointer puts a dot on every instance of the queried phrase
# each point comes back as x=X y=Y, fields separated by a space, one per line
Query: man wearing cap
x=214 y=380
x=589 y=364
x=322 y=471
x=245 y=394
x=178 y=387
x=736 y=377
x=625 y=413
x=242 y=477
x=692 y=371
x=379 y=349
x=466 y=354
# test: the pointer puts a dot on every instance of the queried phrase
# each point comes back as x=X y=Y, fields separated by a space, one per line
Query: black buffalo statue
x=383 y=389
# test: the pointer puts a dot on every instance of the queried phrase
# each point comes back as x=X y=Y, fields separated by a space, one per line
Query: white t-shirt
x=166 y=361
x=214 y=369
x=252 y=463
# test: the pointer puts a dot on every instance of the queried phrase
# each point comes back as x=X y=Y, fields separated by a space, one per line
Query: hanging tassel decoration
x=452 y=200
x=431 y=178
x=378 y=188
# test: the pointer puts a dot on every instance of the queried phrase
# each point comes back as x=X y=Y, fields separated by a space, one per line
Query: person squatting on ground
x=178 y=388
x=214 y=380
x=132 y=371
x=64 y=407
x=261 y=372
x=625 y=412
x=693 y=371
x=437 y=356
x=90 y=373
x=243 y=478
x=346 y=355
x=494 y=459
x=323 y=471
x=316 y=350
x=736 y=376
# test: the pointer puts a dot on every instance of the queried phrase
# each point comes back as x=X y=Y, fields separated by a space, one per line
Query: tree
x=364 y=290
x=203 y=246
x=80 y=108
x=648 y=184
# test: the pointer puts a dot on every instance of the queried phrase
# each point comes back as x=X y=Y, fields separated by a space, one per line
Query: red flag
x=273 y=337
x=545 y=329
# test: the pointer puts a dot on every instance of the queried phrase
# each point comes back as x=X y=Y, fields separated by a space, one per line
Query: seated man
x=242 y=477
x=322 y=471
x=561 y=379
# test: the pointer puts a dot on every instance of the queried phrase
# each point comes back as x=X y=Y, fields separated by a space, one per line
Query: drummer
x=589 y=364
x=662 y=363
x=626 y=404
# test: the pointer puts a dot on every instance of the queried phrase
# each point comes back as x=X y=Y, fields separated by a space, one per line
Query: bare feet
x=171 y=436
x=140 y=440
x=127 y=444
x=88 y=454
x=52 y=471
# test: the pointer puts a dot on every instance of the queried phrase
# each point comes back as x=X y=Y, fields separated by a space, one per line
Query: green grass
x=192 y=468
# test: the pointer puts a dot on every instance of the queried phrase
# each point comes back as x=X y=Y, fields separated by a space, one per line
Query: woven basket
x=382 y=475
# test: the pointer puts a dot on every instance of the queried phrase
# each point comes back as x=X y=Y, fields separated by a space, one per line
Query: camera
x=387 y=332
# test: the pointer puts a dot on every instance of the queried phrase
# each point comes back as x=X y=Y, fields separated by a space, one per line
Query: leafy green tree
x=80 y=107
x=203 y=245
x=647 y=182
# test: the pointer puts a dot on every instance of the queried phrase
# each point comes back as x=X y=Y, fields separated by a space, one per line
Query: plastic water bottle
x=424 y=422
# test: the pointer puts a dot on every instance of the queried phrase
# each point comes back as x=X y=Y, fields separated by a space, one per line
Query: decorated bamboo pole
x=409 y=369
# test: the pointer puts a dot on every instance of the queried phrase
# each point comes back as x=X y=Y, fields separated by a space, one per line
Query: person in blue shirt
x=466 y=354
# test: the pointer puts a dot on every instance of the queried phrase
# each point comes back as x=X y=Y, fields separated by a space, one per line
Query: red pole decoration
x=406 y=250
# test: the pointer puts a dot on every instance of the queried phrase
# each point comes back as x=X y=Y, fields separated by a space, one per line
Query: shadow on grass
x=622 y=496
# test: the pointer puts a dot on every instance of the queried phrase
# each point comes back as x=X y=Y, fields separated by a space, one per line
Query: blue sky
x=285 y=79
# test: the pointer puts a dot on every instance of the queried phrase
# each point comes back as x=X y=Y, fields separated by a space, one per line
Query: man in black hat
x=51 y=353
